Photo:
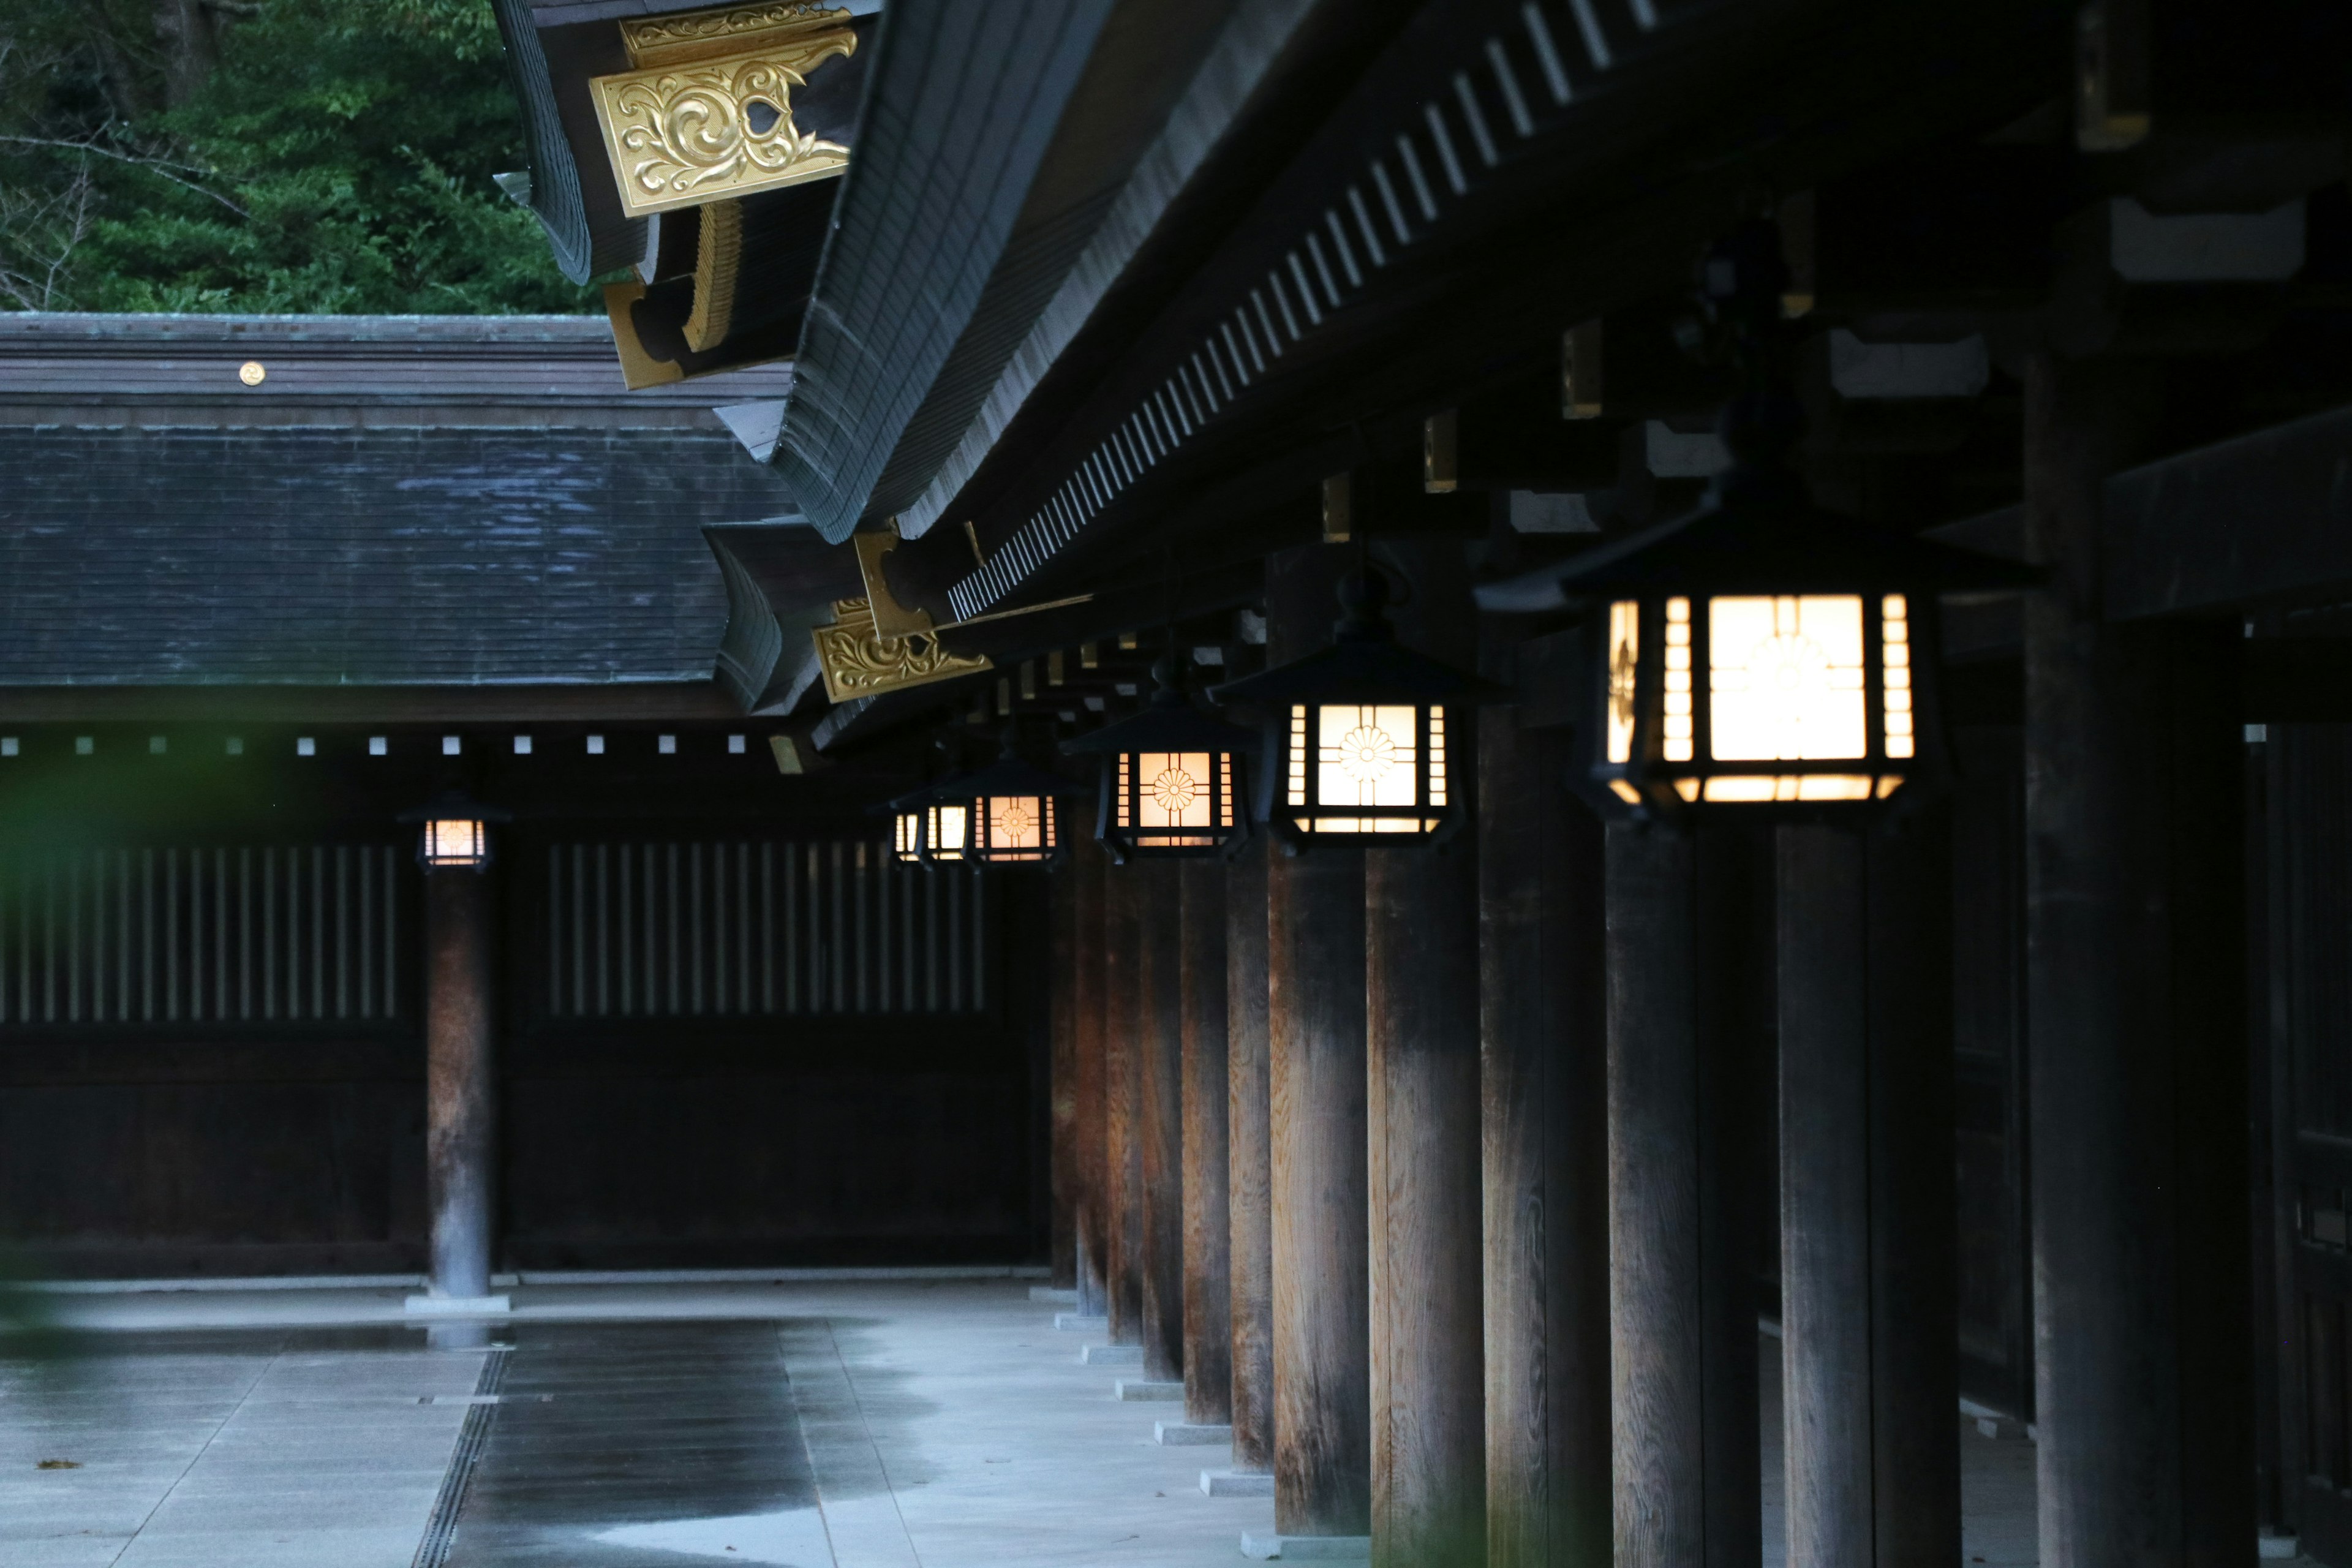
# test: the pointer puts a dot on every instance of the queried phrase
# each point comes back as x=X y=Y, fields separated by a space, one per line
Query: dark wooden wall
x=780 y=1112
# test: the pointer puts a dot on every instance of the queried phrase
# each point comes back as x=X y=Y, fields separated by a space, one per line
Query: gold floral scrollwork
x=685 y=133
x=859 y=661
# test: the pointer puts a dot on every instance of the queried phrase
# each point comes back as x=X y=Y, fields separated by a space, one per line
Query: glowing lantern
x=455 y=832
x=1364 y=735
x=1760 y=652
x=1171 y=779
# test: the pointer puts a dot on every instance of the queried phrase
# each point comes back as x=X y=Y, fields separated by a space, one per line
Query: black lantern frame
x=455 y=831
x=931 y=826
x=1172 y=778
x=1006 y=813
x=1361 y=738
x=1760 y=656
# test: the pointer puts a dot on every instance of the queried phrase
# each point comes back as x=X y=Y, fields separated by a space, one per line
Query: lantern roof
x=1169 y=724
x=1758 y=535
x=1364 y=664
x=453 y=804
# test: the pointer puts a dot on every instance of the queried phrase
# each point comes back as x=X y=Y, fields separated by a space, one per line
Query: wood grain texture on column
x=1867 y=1202
x=460 y=1080
x=1160 y=1122
x=1315 y=1030
x=1062 y=958
x=2134 y=1031
x=1250 y=1163
x=1683 y=1358
x=1546 y=1132
x=1421 y=978
x=1123 y=1102
x=1091 y=1133
x=1207 y=1218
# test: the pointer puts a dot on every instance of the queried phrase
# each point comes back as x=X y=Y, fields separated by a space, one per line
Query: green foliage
x=321 y=156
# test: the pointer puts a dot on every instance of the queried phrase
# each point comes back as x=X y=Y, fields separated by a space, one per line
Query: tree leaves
x=337 y=159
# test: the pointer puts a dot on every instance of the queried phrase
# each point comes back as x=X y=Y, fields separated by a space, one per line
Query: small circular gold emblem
x=251 y=372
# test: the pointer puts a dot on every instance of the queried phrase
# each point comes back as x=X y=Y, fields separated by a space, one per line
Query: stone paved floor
x=939 y=1425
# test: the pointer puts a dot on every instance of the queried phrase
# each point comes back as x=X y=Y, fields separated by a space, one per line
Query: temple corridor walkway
x=839 y=1425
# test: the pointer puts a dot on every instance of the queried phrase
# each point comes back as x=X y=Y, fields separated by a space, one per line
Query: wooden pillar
x=1420 y=976
x=2135 y=1033
x=1315 y=1031
x=1682 y=1264
x=1091 y=1133
x=1123 y=1101
x=1160 y=1122
x=1545 y=1095
x=1250 y=1159
x=460 y=1080
x=1063 y=961
x=1868 y=1273
x=1208 y=1220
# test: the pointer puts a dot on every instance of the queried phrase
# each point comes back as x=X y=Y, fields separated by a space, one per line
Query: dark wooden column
x=1250 y=1164
x=1062 y=958
x=1090 y=1130
x=2135 y=1032
x=1315 y=1030
x=1123 y=1101
x=1868 y=1277
x=1420 y=976
x=1545 y=1094
x=1091 y=1135
x=460 y=1080
x=1208 y=1220
x=1682 y=1262
x=1160 y=1122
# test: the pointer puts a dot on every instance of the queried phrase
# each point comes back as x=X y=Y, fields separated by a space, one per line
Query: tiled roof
x=58 y=368
x=367 y=556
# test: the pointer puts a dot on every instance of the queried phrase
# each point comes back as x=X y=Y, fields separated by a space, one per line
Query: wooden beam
x=1316 y=1033
x=1249 y=1134
x=2136 y=1030
x=1208 y=1216
x=1160 y=1126
x=1062 y=958
x=1421 y=979
x=1088 y=863
x=1682 y=1257
x=1545 y=1091
x=1123 y=999
x=1868 y=1244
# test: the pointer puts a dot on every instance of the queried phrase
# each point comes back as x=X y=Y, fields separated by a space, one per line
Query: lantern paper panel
x=1785 y=679
x=907 y=836
x=1016 y=829
x=947 y=827
x=1173 y=800
x=1385 y=760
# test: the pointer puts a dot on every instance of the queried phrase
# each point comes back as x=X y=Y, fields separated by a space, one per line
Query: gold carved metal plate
x=859 y=661
x=680 y=134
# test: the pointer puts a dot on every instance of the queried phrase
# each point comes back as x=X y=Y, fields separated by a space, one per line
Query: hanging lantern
x=1171 y=778
x=1002 y=814
x=1759 y=654
x=1363 y=735
x=455 y=834
x=931 y=826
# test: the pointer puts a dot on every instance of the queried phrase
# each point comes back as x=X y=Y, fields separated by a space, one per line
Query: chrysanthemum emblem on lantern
x=1172 y=784
x=1361 y=731
x=1005 y=814
x=1760 y=652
